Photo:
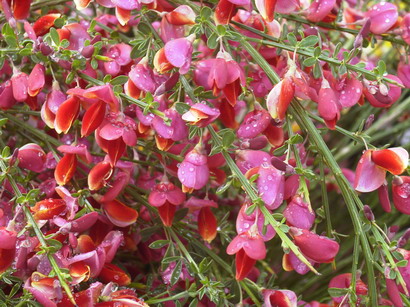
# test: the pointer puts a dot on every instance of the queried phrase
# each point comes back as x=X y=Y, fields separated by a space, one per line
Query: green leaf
x=228 y=138
x=337 y=292
x=158 y=244
x=206 y=12
x=3 y=121
x=317 y=71
x=221 y=189
x=292 y=39
x=381 y=67
x=54 y=36
x=296 y=139
x=250 y=209
x=309 y=41
x=176 y=273
x=212 y=41
x=402 y=263
x=182 y=107
x=221 y=30
x=317 y=51
x=119 y=80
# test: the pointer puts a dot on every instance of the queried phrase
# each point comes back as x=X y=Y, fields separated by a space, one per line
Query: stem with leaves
x=32 y=222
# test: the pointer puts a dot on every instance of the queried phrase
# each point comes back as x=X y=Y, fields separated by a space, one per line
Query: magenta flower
x=318 y=248
x=372 y=167
x=176 y=53
x=7 y=100
x=299 y=214
x=244 y=223
x=383 y=16
x=328 y=105
x=273 y=298
x=401 y=194
x=343 y=281
x=291 y=262
x=141 y=79
x=319 y=9
x=248 y=159
x=201 y=115
x=118 y=125
x=227 y=76
x=166 y=197
x=254 y=123
x=248 y=247
x=32 y=157
x=380 y=95
x=403 y=71
x=270 y=183
x=176 y=131
x=193 y=172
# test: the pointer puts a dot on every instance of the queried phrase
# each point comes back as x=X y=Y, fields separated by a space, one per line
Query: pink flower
x=166 y=197
x=32 y=157
x=244 y=223
x=227 y=76
x=381 y=95
x=201 y=115
x=372 y=167
x=319 y=9
x=383 y=16
x=176 y=53
x=193 y=172
x=318 y=248
x=248 y=247
x=272 y=298
x=299 y=214
x=401 y=194
x=343 y=281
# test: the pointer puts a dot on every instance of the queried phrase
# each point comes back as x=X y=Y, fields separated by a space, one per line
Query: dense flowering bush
x=204 y=153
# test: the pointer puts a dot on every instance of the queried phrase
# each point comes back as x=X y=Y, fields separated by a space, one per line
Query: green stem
x=384 y=37
x=38 y=233
x=298 y=163
x=355 y=262
x=255 y=199
x=271 y=41
x=169 y=298
x=303 y=120
x=325 y=199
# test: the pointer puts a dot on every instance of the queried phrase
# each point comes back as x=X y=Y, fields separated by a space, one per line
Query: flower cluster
x=147 y=142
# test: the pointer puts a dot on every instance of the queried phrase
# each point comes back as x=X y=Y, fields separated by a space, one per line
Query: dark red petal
x=119 y=214
x=98 y=175
x=112 y=273
x=244 y=264
x=207 y=224
x=93 y=118
x=66 y=114
x=65 y=169
x=44 y=23
x=166 y=213
x=224 y=11
x=48 y=208
x=21 y=9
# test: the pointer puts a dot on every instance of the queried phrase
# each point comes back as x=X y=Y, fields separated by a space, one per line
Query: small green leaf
x=317 y=71
x=309 y=41
x=228 y=138
x=402 y=263
x=158 y=244
x=337 y=292
x=221 y=189
x=182 y=107
x=292 y=39
x=54 y=36
x=176 y=273
x=206 y=12
x=296 y=139
x=381 y=67
x=317 y=51
x=221 y=30
x=212 y=41
x=119 y=80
